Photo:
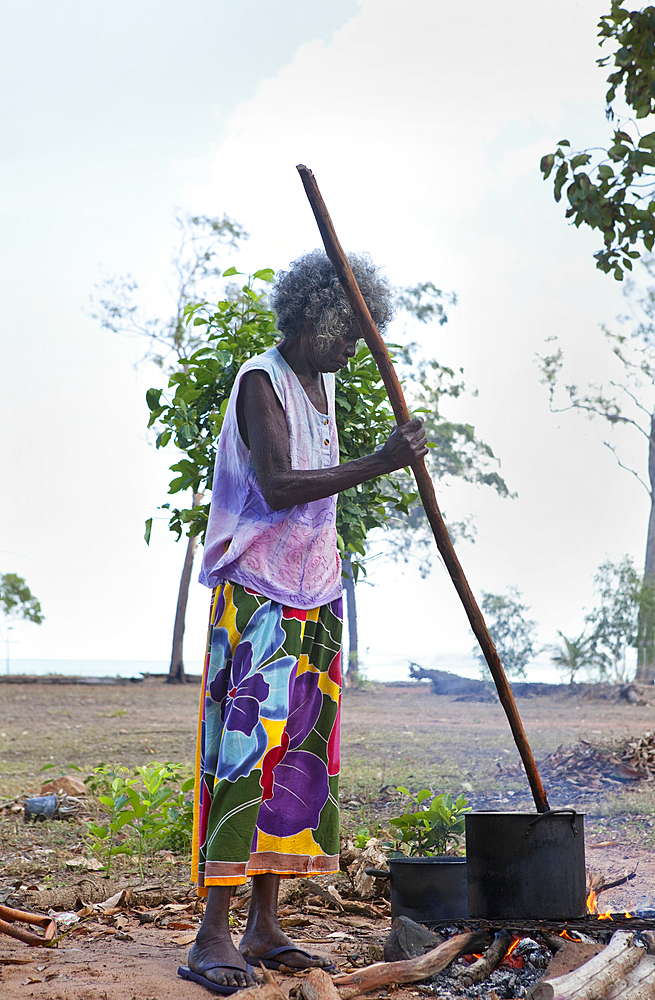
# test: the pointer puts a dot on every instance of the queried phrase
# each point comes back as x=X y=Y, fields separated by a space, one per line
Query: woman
x=268 y=736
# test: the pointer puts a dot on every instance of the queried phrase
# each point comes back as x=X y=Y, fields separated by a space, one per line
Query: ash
x=506 y=981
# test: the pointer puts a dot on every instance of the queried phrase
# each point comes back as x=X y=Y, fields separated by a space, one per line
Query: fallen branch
x=315 y=889
x=597 y=977
x=7 y=917
x=268 y=990
x=414 y=969
x=492 y=957
x=316 y=985
x=598 y=882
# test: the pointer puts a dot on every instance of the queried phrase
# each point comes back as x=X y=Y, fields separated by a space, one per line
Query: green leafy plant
x=611 y=187
x=149 y=820
x=142 y=809
x=178 y=812
x=116 y=805
x=429 y=825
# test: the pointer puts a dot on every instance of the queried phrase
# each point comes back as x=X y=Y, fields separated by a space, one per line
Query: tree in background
x=169 y=340
x=514 y=635
x=613 y=189
x=17 y=602
x=613 y=625
x=627 y=403
x=572 y=655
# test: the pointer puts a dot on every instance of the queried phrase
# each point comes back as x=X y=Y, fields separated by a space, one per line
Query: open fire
x=511 y=972
x=592 y=908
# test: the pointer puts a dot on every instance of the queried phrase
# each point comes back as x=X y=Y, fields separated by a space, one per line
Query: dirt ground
x=391 y=735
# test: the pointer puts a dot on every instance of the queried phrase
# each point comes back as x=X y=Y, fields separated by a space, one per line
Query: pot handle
x=377 y=873
x=554 y=812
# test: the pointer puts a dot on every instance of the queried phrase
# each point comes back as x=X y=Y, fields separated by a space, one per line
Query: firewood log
x=639 y=984
x=414 y=969
x=492 y=957
x=596 y=977
x=648 y=937
x=268 y=990
x=317 y=985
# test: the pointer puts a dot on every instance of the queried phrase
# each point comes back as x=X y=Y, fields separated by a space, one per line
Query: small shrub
x=428 y=828
x=143 y=812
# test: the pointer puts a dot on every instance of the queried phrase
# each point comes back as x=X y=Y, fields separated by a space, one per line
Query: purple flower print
x=295 y=782
x=239 y=692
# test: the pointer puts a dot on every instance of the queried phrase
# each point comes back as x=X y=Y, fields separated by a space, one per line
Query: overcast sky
x=424 y=123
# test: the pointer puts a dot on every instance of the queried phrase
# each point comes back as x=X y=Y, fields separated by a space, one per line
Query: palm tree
x=574 y=654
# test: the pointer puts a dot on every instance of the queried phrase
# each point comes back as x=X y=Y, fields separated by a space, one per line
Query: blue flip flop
x=269 y=960
x=197 y=977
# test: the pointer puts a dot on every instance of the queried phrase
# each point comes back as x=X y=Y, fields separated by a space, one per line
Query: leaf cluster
x=17 y=600
x=140 y=810
x=613 y=625
x=429 y=825
x=514 y=635
x=613 y=189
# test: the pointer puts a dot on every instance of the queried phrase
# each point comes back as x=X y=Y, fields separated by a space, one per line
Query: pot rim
x=426 y=860
x=525 y=815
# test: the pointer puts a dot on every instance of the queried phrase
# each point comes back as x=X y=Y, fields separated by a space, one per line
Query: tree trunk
x=352 y=674
x=646 y=639
x=176 y=669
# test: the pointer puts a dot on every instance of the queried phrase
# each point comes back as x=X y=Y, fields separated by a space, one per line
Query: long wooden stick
x=379 y=351
x=412 y=970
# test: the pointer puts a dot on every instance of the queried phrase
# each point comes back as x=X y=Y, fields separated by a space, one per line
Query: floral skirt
x=267 y=761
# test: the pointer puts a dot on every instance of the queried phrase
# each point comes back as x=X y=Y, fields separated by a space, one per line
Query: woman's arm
x=263 y=427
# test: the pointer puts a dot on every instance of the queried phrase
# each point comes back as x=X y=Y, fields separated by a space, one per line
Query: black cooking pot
x=426 y=889
x=526 y=865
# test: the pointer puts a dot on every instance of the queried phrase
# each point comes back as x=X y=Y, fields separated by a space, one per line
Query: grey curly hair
x=310 y=292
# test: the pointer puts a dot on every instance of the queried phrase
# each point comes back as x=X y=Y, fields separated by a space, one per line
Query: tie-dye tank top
x=288 y=555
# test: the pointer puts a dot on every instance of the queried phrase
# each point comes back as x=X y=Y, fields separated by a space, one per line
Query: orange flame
x=512 y=947
x=592 y=907
x=565 y=934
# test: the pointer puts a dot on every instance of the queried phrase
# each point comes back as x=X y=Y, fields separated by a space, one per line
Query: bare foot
x=254 y=946
x=208 y=957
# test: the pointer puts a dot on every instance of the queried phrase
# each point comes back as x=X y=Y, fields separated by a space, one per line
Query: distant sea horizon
x=386 y=668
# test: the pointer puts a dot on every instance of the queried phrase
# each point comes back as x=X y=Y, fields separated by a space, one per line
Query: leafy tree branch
x=612 y=188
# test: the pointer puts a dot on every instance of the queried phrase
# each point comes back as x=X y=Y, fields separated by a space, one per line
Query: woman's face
x=337 y=355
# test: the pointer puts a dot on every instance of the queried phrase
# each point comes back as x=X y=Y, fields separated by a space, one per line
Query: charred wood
x=414 y=969
x=492 y=957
